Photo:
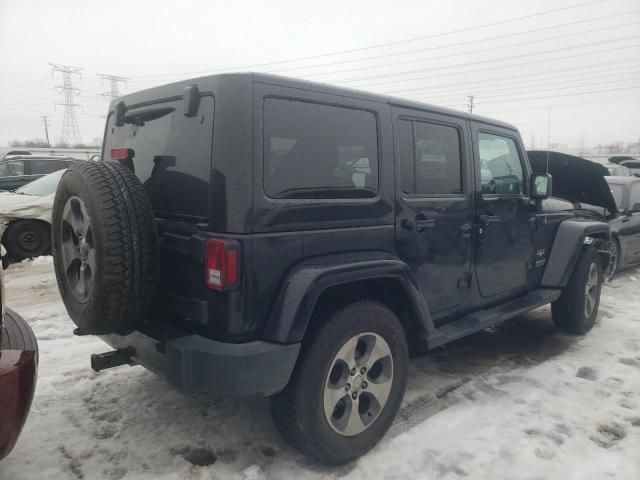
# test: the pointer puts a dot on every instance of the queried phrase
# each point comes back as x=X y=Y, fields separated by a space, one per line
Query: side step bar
x=476 y=321
x=115 y=358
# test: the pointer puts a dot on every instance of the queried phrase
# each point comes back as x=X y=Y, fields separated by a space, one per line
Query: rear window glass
x=172 y=156
x=319 y=151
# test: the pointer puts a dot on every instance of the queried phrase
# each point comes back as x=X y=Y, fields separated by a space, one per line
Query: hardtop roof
x=209 y=81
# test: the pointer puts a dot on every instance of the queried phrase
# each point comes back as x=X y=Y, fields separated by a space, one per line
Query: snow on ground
x=517 y=401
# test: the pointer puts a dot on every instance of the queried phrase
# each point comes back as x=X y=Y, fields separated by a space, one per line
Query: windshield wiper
x=138 y=118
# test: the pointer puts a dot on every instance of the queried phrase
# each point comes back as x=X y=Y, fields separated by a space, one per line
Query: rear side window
x=172 y=155
x=501 y=170
x=12 y=168
x=430 y=159
x=44 y=167
x=319 y=151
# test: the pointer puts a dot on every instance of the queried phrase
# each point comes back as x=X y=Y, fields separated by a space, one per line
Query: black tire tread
x=129 y=262
x=568 y=310
x=287 y=409
x=17 y=334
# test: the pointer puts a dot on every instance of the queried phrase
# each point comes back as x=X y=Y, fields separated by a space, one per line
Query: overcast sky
x=519 y=58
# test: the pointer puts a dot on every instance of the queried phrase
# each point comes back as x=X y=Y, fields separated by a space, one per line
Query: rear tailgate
x=171 y=154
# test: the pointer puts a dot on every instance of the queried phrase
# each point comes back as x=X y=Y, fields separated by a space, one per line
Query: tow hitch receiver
x=115 y=358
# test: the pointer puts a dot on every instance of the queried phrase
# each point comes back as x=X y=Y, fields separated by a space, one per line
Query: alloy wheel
x=78 y=249
x=358 y=384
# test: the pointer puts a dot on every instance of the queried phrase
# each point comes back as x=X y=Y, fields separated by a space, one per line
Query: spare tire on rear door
x=105 y=248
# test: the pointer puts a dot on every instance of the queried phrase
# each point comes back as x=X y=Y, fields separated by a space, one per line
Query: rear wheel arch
x=388 y=291
x=312 y=286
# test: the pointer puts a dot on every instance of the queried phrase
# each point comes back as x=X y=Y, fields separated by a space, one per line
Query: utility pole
x=114 y=80
x=470 y=103
x=70 y=130
x=45 y=119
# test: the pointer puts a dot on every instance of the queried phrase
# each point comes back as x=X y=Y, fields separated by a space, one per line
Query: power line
x=574 y=71
x=480 y=62
x=386 y=44
x=446 y=95
x=70 y=129
x=481 y=50
x=437 y=75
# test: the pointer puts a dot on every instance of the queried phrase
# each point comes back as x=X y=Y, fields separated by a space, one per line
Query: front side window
x=501 y=170
x=319 y=151
x=430 y=159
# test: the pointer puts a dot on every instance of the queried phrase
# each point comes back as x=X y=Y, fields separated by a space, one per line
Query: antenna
x=548 y=138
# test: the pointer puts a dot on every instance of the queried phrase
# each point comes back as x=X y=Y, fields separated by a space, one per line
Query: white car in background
x=25 y=217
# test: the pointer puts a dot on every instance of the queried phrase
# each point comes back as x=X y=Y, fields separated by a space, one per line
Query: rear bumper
x=18 y=370
x=195 y=364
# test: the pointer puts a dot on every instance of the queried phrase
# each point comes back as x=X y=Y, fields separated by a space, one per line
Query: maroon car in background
x=18 y=372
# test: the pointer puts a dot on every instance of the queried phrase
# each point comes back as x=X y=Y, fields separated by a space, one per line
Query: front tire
x=614 y=260
x=576 y=310
x=347 y=386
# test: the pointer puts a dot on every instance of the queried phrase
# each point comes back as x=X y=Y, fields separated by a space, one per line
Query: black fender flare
x=568 y=243
x=291 y=312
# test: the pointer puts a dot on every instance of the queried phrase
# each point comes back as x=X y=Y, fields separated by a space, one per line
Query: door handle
x=419 y=224
x=466 y=230
x=488 y=220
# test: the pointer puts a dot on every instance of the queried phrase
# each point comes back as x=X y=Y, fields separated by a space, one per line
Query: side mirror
x=540 y=186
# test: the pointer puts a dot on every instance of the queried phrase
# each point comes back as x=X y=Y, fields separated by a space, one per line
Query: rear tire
x=27 y=239
x=576 y=310
x=105 y=247
x=316 y=412
x=17 y=334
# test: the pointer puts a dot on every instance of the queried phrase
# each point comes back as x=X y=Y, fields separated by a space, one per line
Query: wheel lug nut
x=363 y=369
x=354 y=395
x=365 y=384
x=347 y=387
x=353 y=371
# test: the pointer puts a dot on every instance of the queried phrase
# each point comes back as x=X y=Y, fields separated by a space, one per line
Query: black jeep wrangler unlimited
x=250 y=234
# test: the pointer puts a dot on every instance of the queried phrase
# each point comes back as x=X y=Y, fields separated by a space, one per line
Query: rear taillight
x=221 y=264
x=121 y=153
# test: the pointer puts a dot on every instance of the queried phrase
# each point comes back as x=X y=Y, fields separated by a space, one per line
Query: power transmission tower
x=114 y=80
x=45 y=119
x=70 y=130
x=470 y=104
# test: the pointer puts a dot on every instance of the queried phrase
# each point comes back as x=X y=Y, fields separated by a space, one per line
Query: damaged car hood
x=16 y=205
x=574 y=178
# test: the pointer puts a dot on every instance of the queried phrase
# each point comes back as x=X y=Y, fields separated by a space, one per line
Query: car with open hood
x=583 y=185
x=625 y=227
